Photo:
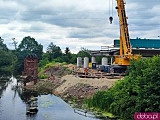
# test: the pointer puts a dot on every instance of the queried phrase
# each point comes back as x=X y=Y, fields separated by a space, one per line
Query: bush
x=138 y=92
x=42 y=76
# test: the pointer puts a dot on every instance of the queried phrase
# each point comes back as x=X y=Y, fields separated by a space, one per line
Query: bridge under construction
x=144 y=47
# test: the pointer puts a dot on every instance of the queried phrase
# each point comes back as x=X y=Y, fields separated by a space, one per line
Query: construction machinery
x=125 y=46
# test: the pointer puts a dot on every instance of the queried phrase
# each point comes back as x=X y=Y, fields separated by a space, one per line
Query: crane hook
x=110 y=19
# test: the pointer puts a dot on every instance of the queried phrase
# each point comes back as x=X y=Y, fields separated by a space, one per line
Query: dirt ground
x=71 y=85
x=72 y=80
x=68 y=84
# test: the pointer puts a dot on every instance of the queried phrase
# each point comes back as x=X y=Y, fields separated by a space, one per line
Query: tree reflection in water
x=3 y=84
x=29 y=97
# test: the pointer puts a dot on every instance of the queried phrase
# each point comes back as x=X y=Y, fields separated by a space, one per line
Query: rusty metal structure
x=30 y=72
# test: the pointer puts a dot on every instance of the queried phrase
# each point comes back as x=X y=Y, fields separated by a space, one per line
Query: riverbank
x=81 y=88
x=76 y=90
x=71 y=88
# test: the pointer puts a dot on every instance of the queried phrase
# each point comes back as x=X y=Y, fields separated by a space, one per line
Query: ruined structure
x=30 y=72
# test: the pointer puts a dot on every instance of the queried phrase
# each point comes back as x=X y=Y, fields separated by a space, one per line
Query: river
x=13 y=106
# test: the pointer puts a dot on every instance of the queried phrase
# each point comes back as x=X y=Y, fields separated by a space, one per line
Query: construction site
x=116 y=59
x=113 y=82
x=91 y=68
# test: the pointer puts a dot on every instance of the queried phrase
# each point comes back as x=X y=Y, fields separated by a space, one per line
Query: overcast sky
x=76 y=23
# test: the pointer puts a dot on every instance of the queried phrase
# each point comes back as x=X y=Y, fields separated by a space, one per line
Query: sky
x=76 y=23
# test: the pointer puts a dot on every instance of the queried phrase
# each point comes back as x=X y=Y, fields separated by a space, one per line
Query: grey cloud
x=61 y=16
x=34 y=27
x=91 y=22
x=142 y=17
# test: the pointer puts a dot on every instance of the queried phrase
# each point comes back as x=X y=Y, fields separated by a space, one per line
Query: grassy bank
x=137 y=92
x=53 y=68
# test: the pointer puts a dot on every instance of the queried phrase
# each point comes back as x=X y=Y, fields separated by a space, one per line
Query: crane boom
x=124 y=34
x=125 y=45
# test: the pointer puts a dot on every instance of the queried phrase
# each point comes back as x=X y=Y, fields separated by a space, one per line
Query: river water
x=13 y=106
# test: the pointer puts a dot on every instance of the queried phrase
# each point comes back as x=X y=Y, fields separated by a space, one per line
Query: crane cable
x=109 y=8
x=110 y=15
x=112 y=7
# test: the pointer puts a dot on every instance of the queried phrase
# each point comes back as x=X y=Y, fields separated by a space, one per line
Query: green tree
x=7 y=60
x=14 y=43
x=44 y=60
x=2 y=45
x=138 y=92
x=7 y=63
x=30 y=45
x=53 y=51
x=73 y=59
x=67 y=55
x=83 y=53
x=67 y=51
x=27 y=46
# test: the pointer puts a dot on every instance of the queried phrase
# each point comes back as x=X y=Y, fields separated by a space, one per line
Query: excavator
x=123 y=59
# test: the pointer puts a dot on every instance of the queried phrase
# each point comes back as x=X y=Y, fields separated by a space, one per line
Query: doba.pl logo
x=147 y=116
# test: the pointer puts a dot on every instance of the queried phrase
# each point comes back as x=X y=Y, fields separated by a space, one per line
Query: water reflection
x=3 y=84
x=16 y=104
x=29 y=97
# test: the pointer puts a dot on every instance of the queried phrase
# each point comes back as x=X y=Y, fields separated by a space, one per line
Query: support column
x=111 y=60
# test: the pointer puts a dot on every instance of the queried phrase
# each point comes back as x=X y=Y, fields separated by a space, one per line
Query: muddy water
x=13 y=106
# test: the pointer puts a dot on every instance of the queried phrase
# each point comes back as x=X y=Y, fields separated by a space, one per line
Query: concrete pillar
x=86 y=62
x=111 y=60
x=79 y=61
x=104 y=61
x=93 y=59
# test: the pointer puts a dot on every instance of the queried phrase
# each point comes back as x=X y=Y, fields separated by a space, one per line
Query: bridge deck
x=143 y=52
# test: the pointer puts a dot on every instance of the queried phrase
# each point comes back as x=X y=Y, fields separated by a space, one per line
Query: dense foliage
x=138 y=92
x=83 y=53
x=7 y=60
x=28 y=45
x=55 y=54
